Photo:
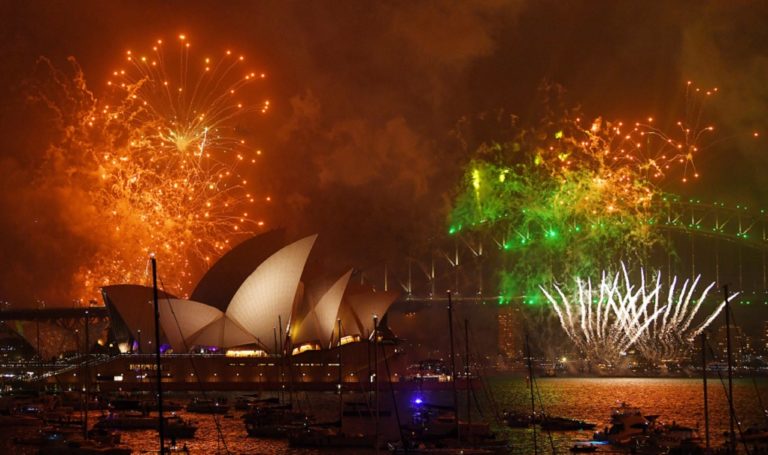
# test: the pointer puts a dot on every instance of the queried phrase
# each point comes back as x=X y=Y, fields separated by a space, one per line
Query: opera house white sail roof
x=268 y=294
x=134 y=305
x=320 y=319
x=359 y=305
x=249 y=313
x=225 y=276
x=187 y=323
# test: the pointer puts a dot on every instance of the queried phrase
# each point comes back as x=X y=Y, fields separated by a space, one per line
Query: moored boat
x=83 y=447
x=207 y=406
x=53 y=434
x=245 y=403
x=516 y=419
x=583 y=447
x=329 y=437
x=174 y=426
x=19 y=421
x=68 y=441
x=431 y=449
x=627 y=422
x=554 y=423
x=273 y=421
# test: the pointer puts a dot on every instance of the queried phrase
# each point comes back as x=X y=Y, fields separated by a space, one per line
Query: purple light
x=418 y=401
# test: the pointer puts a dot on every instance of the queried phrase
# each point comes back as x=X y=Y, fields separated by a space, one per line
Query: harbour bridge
x=724 y=243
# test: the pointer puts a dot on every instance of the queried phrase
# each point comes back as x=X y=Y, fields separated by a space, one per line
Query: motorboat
x=627 y=422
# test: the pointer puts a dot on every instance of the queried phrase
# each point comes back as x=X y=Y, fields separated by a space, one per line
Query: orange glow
x=168 y=164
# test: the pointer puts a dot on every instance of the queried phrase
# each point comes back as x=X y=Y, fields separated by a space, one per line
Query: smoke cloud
x=358 y=144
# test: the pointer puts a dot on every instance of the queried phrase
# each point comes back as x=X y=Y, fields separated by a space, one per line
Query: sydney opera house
x=258 y=318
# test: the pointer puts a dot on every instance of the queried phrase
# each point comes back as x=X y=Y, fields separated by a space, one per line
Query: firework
x=605 y=320
x=560 y=195
x=160 y=160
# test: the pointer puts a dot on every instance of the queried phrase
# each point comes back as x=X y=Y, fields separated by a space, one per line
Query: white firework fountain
x=616 y=315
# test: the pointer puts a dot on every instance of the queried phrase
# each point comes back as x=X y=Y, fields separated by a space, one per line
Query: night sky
x=359 y=144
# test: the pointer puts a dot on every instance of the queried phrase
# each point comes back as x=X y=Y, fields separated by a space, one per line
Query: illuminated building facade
x=269 y=323
x=510 y=332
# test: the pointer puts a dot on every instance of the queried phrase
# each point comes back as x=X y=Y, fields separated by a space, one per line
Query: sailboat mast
x=467 y=383
x=155 y=299
x=281 y=370
x=704 y=377
x=341 y=378
x=87 y=380
x=530 y=384
x=453 y=367
x=732 y=436
x=376 y=377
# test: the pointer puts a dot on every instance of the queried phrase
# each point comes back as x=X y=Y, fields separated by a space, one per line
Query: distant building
x=510 y=332
x=764 y=340
x=741 y=345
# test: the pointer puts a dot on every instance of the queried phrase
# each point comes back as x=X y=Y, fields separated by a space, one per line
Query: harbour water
x=677 y=400
x=590 y=399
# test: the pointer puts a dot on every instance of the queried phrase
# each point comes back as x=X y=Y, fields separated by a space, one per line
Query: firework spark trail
x=565 y=191
x=159 y=158
x=615 y=336
x=628 y=316
x=617 y=319
x=670 y=339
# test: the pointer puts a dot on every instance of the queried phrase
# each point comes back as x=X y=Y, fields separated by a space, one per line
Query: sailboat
x=332 y=435
x=59 y=441
x=273 y=420
x=438 y=429
x=270 y=417
x=173 y=426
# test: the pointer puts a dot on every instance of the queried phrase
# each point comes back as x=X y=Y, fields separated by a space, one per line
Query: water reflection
x=590 y=399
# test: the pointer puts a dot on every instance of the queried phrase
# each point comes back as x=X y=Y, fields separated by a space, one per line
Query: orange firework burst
x=620 y=166
x=641 y=150
x=166 y=156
